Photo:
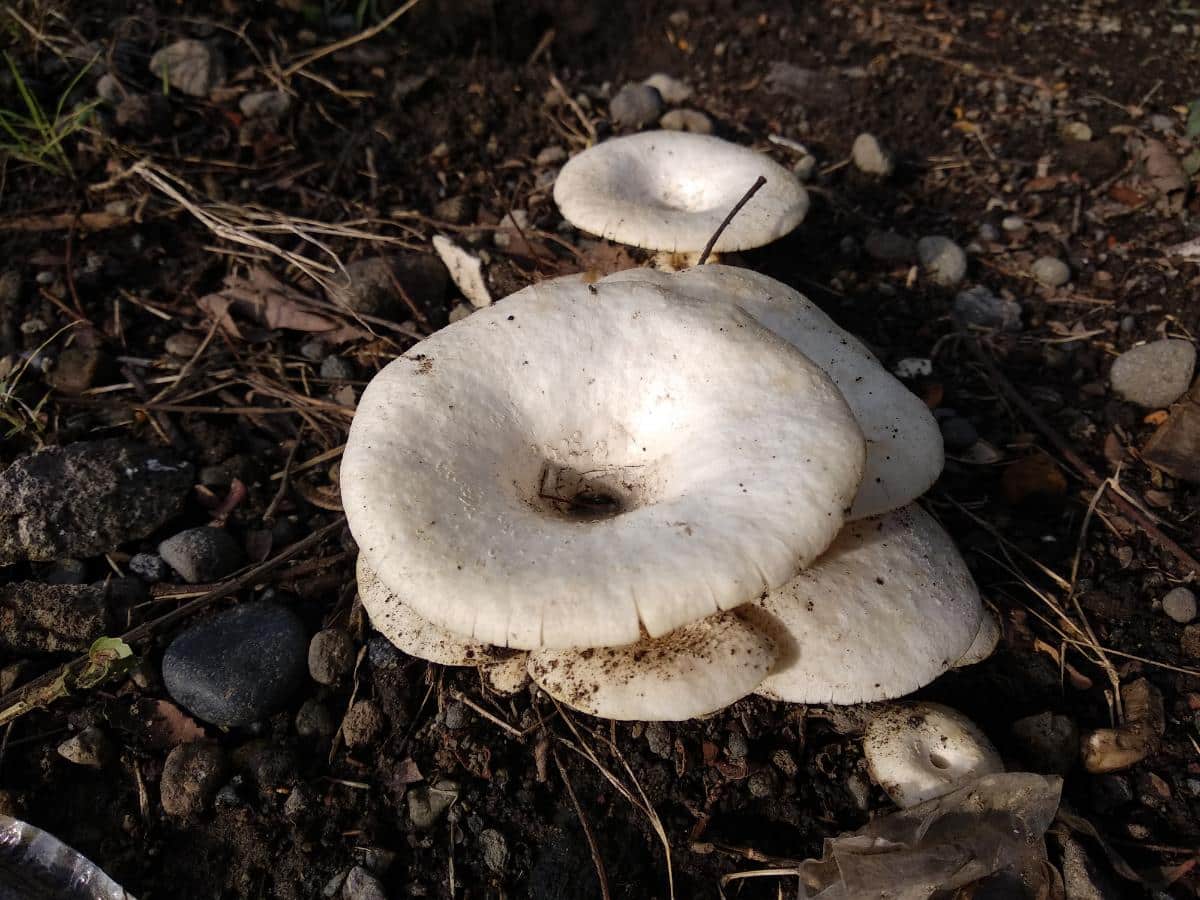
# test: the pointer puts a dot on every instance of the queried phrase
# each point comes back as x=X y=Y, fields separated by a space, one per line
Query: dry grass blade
x=363 y=35
x=756 y=873
x=597 y=859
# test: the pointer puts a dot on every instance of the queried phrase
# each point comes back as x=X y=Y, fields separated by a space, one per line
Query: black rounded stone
x=238 y=666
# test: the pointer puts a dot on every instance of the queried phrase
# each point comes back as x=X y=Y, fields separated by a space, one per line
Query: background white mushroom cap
x=984 y=644
x=692 y=671
x=904 y=444
x=732 y=455
x=919 y=751
x=415 y=635
x=887 y=609
x=670 y=190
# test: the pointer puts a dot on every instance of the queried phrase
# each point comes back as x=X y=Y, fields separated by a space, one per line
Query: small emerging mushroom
x=886 y=610
x=692 y=671
x=919 y=751
x=578 y=462
x=671 y=190
x=904 y=443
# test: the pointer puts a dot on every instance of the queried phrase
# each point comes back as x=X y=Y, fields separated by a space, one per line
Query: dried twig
x=712 y=241
x=366 y=34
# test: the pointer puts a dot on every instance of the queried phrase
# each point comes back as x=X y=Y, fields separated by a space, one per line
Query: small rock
x=149 y=567
x=686 y=120
x=190 y=778
x=183 y=344
x=1077 y=131
x=658 y=737
x=888 y=246
x=458 y=210
x=1190 y=643
x=313 y=719
x=870 y=157
x=265 y=104
x=86 y=499
x=958 y=434
x=672 y=90
x=238 y=666
x=457 y=716
x=299 y=802
x=635 y=105
x=363 y=724
x=330 y=655
x=371 y=285
x=201 y=554
x=785 y=762
x=914 y=367
x=1154 y=375
x=362 y=885
x=737 y=747
x=979 y=306
x=943 y=260
x=75 y=370
x=1051 y=272
x=67 y=571
x=90 y=748
x=50 y=618
x=428 y=803
x=1175 y=445
x=267 y=766
x=338 y=368
x=551 y=156
x=108 y=89
x=1012 y=223
x=1180 y=604
x=382 y=653
x=785 y=78
x=761 y=784
x=495 y=849
x=1049 y=742
x=191 y=66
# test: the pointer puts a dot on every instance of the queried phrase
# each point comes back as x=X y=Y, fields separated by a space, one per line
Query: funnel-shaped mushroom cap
x=670 y=190
x=984 y=644
x=415 y=635
x=578 y=461
x=692 y=671
x=887 y=609
x=904 y=444
x=919 y=751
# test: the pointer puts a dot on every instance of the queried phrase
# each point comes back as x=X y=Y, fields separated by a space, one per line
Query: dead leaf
x=1161 y=169
x=266 y=301
x=164 y=725
x=407 y=772
x=1045 y=183
x=1126 y=195
x=1034 y=476
x=600 y=258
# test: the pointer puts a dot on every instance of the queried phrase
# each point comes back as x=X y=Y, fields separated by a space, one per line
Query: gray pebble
x=182 y=344
x=90 y=748
x=635 y=106
x=338 y=368
x=238 y=666
x=265 y=104
x=658 y=737
x=495 y=849
x=870 y=156
x=67 y=571
x=330 y=655
x=958 y=434
x=988 y=233
x=428 y=803
x=201 y=554
x=888 y=246
x=149 y=567
x=943 y=260
x=190 y=778
x=313 y=719
x=979 y=306
x=1048 y=741
x=737 y=747
x=314 y=350
x=299 y=801
x=686 y=120
x=362 y=885
x=762 y=784
x=1154 y=375
x=457 y=716
x=382 y=653
x=363 y=724
x=1051 y=272
x=1180 y=605
x=191 y=66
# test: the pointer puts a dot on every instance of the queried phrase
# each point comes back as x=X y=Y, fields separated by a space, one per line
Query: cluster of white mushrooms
x=662 y=491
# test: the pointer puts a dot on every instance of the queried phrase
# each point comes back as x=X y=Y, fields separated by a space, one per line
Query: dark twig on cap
x=729 y=218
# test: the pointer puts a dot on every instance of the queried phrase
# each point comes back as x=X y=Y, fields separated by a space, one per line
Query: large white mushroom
x=919 y=751
x=671 y=190
x=690 y=672
x=904 y=444
x=577 y=463
x=887 y=609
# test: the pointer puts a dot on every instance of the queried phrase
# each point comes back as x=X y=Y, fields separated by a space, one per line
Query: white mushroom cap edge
x=919 y=751
x=670 y=190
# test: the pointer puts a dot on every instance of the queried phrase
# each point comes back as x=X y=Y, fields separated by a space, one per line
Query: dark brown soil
x=455 y=101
